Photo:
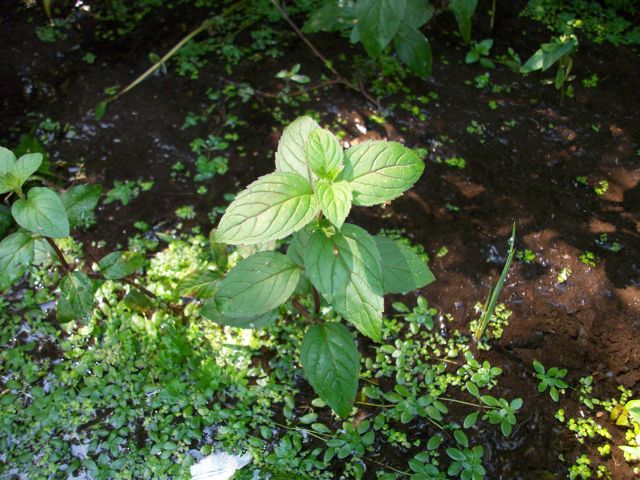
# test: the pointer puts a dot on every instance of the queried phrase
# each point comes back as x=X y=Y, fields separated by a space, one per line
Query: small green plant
x=479 y=52
x=309 y=196
x=293 y=75
x=494 y=293
x=588 y=258
x=467 y=463
x=591 y=82
x=558 y=51
x=551 y=379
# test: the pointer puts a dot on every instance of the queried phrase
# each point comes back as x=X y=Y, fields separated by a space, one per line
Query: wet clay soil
x=523 y=169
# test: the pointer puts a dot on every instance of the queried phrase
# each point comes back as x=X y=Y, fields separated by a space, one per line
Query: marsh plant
x=307 y=199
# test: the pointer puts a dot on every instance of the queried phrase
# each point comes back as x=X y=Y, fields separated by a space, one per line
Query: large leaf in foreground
x=291 y=155
x=324 y=153
x=271 y=208
x=117 y=265
x=200 y=284
x=414 y=50
x=257 y=285
x=42 y=213
x=402 y=269
x=380 y=171
x=330 y=359
x=345 y=269
x=16 y=254
x=76 y=298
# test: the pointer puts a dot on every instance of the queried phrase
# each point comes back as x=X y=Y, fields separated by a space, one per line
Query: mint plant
x=308 y=198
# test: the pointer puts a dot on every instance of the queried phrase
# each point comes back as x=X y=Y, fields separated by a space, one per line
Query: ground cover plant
x=142 y=334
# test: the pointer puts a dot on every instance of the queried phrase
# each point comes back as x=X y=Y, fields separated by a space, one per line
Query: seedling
x=479 y=52
x=557 y=51
x=551 y=379
x=308 y=198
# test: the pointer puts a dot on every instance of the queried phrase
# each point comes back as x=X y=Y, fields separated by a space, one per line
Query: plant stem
x=63 y=261
x=301 y=309
x=493 y=15
x=325 y=61
x=203 y=26
x=453 y=400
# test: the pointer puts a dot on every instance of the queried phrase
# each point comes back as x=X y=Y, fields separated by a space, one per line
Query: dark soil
x=523 y=170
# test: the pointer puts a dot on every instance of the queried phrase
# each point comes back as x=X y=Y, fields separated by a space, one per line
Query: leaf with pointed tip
x=345 y=269
x=380 y=171
x=414 y=50
x=378 y=23
x=80 y=201
x=402 y=270
x=13 y=173
x=200 y=284
x=76 y=298
x=16 y=254
x=211 y=310
x=335 y=200
x=330 y=360
x=291 y=155
x=42 y=213
x=117 y=265
x=271 y=208
x=324 y=154
x=257 y=284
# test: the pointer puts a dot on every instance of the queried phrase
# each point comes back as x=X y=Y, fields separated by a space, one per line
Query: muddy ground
x=523 y=169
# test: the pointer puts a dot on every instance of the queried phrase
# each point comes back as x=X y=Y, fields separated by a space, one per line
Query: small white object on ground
x=219 y=466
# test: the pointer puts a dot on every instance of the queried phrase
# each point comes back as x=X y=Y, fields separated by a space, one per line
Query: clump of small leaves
x=551 y=379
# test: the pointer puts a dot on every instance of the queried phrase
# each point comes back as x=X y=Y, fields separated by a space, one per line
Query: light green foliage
x=479 y=52
x=325 y=154
x=335 y=200
x=557 y=51
x=467 y=463
x=380 y=171
x=42 y=213
x=13 y=173
x=551 y=379
x=271 y=208
x=330 y=359
x=291 y=155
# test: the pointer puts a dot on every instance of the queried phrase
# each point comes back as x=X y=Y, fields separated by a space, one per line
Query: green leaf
x=463 y=10
x=331 y=17
x=6 y=220
x=101 y=109
x=324 y=154
x=7 y=160
x=200 y=284
x=633 y=407
x=378 y=22
x=299 y=245
x=42 y=213
x=211 y=310
x=271 y=208
x=402 y=270
x=76 y=298
x=380 y=171
x=335 y=200
x=345 y=269
x=14 y=173
x=418 y=12
x=414 y=50
x=330 y=359
x=16 y=254
x=471 y=419
x=291 y=155
x=79 y=202
x=117 y=265
x=136 y=300
x=257 y=284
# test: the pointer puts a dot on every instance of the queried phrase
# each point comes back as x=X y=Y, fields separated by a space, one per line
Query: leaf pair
x=313 y=174
x=13 y=173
